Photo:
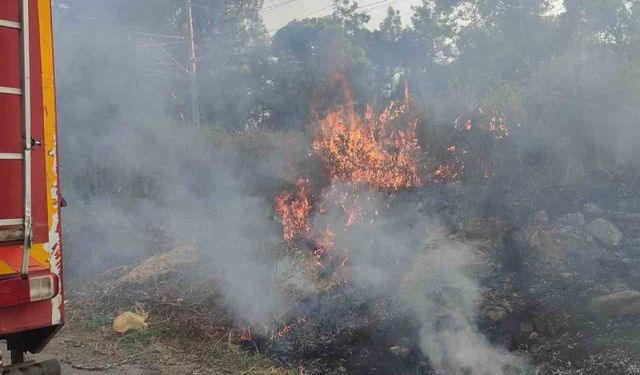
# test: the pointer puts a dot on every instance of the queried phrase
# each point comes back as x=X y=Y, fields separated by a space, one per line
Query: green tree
x=232 y=46
x=309 y=54
x=346 y=14
x=385 y=50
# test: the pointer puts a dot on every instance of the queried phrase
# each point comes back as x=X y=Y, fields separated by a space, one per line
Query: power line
x=278 y=5
x=366 y=9
x=385 y=4
x=307 y=15
x=379 y=4
x=375 y=5
x=162 y=35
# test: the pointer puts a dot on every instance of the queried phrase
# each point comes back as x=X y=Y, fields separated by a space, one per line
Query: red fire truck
x=31 y=301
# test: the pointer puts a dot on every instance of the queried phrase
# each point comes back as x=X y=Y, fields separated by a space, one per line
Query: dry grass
x=189 y=331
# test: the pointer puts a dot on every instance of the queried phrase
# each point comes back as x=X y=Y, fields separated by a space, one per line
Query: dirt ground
x=79 y=350
x=87 y=344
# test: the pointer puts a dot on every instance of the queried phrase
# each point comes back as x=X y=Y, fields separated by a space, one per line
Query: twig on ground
x=249 y=370
x=92 y=368
x=129 y=358
x=163 y=321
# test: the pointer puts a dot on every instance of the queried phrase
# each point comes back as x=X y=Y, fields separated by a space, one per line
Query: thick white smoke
x=397 y=252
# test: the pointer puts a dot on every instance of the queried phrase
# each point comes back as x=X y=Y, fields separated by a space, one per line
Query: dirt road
x=78 y=359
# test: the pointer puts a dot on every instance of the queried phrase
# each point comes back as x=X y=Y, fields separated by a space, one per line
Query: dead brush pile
x=186 y=321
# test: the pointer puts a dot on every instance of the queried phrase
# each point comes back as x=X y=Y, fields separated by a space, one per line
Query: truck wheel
x=17 y=356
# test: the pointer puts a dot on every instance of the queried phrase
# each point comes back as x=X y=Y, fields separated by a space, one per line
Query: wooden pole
x=195 y=104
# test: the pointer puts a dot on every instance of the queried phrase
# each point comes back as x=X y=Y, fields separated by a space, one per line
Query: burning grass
x=372 y=151
x=294 y=209
x=380 y=151
x=325 y=322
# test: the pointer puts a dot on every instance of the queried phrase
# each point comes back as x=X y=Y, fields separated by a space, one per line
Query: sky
x=277 y=13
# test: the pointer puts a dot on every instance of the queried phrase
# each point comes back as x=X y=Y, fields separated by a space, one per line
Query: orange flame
x=294 y=209
x=380 y=151
x=246 y=334
x=368 y=149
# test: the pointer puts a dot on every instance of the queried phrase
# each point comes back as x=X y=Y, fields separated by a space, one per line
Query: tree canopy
x=552 y=66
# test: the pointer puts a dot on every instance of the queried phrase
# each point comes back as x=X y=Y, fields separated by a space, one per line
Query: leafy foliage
x=563 y=72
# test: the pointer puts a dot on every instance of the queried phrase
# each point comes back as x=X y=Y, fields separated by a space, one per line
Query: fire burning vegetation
x=368 y=160
x=457 y=196
x=364 y=152
x=379 y=151
x=358 y=152
x=295 y=209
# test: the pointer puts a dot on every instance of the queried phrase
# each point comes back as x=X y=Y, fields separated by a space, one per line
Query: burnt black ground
x=352 y=334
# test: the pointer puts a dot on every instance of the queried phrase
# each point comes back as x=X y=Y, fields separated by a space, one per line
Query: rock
x=575 y=219
x=547 y=242
x=400 y=350
x=593 y=209
x=541 y=217
x=579 y=243
x=496 y=314
x=625 y=217
x=616 y=304
x=605 y=232
x=526 y=327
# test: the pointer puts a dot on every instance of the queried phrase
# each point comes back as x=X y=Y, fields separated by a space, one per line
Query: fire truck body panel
x=31 y=304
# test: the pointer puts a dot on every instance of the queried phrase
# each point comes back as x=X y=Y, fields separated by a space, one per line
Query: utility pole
x=195 y=104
